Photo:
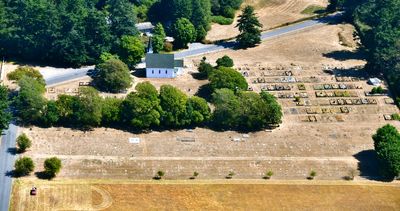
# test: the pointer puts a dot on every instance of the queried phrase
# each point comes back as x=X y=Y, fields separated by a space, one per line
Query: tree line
x=64 y=32
x=147 y=108
x=235 y=107
x=377 y=22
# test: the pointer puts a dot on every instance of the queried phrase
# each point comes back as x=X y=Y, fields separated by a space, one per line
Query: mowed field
x=271 y=13
x=205 y=195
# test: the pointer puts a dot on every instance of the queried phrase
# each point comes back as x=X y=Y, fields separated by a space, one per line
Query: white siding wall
x=160 y=73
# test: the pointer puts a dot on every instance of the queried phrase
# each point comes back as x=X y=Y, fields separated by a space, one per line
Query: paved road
x=79 y=73
x=7 y=158
x=65 y=76
x=264 y=36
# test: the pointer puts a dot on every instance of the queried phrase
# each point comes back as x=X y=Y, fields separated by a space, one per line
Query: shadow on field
x=42 y=175
x=368 y=165
x=345 y=55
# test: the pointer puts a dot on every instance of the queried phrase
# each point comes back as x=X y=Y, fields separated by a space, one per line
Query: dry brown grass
x=271 y=13
x=210 y=195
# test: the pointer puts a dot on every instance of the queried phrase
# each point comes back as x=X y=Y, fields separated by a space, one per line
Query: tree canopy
x=112 y=76
x=65 y=32
x=377 y=22
x=158 y=38
x=387 y=146
x=184 y=33
x=23 y=166
x=229 y=78
x=225 y=61
x=245 y=111
x=141 y=109
x=249 y=27
x=131 y=50
x=52 y=166
x=5 y=114
x=30 y=100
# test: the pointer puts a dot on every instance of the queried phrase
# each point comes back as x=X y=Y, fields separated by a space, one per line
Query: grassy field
x=204 y=195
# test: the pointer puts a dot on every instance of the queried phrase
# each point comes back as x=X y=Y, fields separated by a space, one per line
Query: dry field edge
x=205 y=195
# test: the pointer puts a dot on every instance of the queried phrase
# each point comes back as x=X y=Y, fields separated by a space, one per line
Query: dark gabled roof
x=178 y=63
x=160 y=61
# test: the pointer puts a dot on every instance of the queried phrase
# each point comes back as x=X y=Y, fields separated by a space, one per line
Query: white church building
x=163 y=66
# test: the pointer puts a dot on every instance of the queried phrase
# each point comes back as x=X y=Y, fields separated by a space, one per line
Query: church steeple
x=150 y=46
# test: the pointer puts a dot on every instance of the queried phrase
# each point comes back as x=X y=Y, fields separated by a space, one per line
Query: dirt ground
x=186 y=82
x=329 y=134
x=271 y=13
x=204 y=195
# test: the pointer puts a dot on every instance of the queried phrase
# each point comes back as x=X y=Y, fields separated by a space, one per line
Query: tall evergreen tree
x=158 y=38
x=201 y=17
x=249 y=28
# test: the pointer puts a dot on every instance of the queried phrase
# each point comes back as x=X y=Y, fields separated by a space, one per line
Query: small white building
x=145 y=27
x=374 y=81
x=163 y=66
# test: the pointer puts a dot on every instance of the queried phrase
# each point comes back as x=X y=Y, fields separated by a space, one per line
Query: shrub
x=230 y=175
x=24 y=166
x=168 y=47
x=396 y=116
x=228 y=12
x=159 y=175
x=225 y=61
x=351 y=174
x=221 y=20
x=23 y=142
x=21 y=71
x=268 y=174
x=205 y=68
x=377 y=90
x=312 y=175
x=52 y=166
x=195 y=174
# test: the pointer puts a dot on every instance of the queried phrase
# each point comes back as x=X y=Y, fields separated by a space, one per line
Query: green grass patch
x=396 y=117
x=221 y=20
x=313 y=10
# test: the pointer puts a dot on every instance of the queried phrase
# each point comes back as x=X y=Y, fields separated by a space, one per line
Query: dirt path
x=82 y=157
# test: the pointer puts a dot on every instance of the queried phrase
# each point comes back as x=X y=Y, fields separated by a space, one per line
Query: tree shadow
x=11 y=174
x=12 y=150
x=205 y=92
x=43 y=175
x=140 y=73
x=355 y=72
x=345 y=55
x=368 y=165
x=199 y=76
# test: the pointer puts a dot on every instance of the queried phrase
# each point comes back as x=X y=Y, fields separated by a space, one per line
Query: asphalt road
x=70 y=75
x=81 y=72
x=7 y=158
x=264 y=36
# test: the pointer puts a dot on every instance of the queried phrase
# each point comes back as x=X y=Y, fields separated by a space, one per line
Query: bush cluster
x=221 y=20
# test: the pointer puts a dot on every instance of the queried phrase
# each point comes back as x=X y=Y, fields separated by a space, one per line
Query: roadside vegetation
x=5 y=113
x=23 y=143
